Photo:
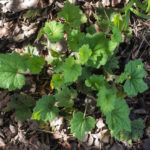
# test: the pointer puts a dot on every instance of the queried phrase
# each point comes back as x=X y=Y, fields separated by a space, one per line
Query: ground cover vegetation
x=85 y=67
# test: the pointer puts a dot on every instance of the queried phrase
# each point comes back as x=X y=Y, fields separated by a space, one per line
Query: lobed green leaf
x=106 y=100
x=11 y=68
x=71 y=70
x=72 y=15
x=84 y=54
x=65 y=97
x=35 y=64
x=45 y=109
x=118 y=119
x=80 y=125
x=75 y=40
x=136 y=73
x=96 y=82
x=54 y=31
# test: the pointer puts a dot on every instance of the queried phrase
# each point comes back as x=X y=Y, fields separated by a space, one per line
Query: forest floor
x=17 y=31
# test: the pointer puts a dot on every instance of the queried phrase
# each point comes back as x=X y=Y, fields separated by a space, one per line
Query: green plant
x=84 y=68
x=45 y=109
x=22 y=104
x=80 y=124
x=133 y=75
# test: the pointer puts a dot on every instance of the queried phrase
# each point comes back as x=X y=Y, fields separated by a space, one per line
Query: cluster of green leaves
x=87 y=53
x=93 y=50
